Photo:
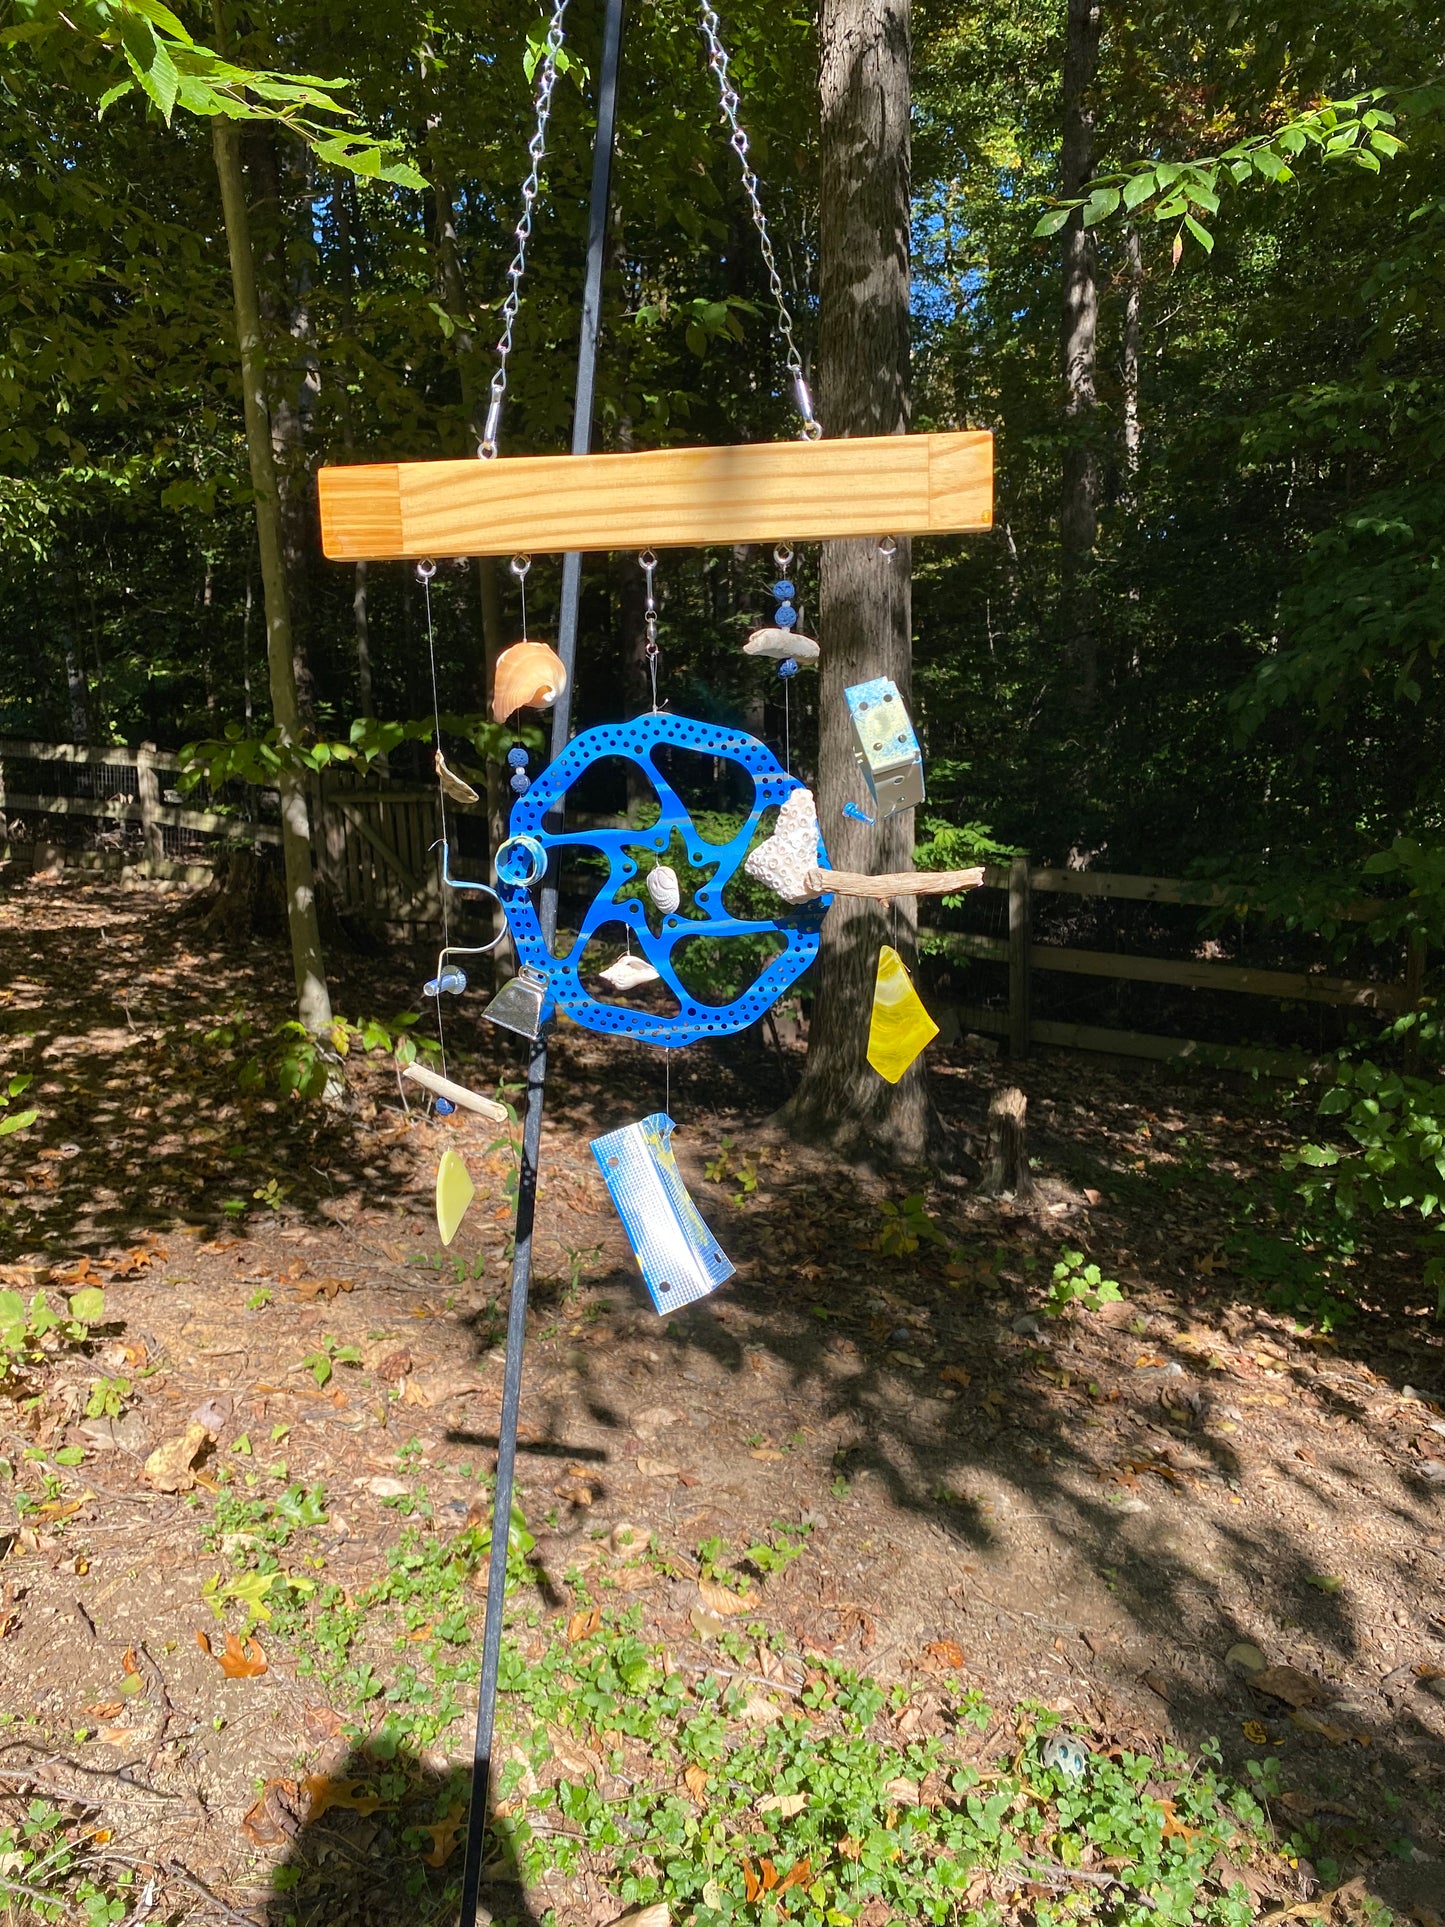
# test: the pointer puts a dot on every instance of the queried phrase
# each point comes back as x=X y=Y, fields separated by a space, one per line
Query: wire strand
x=424 y=573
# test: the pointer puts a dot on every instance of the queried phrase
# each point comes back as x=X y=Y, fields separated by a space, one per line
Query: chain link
x=717 y=60
x=537 y=149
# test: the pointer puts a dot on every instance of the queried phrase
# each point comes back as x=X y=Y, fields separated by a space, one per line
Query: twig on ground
x=1055 y=1870
x=170 y=1870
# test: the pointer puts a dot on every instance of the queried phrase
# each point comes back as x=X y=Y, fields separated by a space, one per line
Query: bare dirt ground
x=1096 y=1509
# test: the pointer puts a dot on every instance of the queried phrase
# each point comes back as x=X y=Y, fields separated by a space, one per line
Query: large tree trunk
x=341 y=189
x=866 y=614
x=1133 y=309
x=313 y=1000
x=1079 y=504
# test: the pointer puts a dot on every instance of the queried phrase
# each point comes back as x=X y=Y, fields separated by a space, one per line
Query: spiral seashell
x=529 y=676
x=664 y=889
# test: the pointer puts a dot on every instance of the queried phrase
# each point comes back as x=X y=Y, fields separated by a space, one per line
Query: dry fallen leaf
x=695 y=1780
x=655 y=1916
x=956 y=1375
x=724 y=1601
x=766 y=1453
x=583 y=1624
x=906 y=1792
x=323 y=1288
x=707 y=1625
x=1256 y=1734
x=1327 y=1730
x=444 y=1836
x=941 y=1654
x=168 y=1468
x=1309 y=1808
x=323 y=1793
x=236 y=1660
x=1287 y=1683
x=785 y=1805
x=272 y=1819
x=657 y=1469
x=760 y=1712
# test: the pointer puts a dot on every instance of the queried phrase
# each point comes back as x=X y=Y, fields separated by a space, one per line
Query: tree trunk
x=1007 y=1173
x=283 y=303
x=1133 y=304
x=360 y=611
x=1079 y=504
x=313 y=1000
x=866 y=613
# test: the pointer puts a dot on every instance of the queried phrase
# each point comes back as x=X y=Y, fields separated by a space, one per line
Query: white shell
x=778 y=644
x=784 y=860
x=628 y=973
x=664 y=889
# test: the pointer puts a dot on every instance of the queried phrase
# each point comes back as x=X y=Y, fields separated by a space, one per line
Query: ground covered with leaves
x=917 y=1575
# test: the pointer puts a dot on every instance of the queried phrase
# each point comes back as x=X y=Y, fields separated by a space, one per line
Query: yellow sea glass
x=455 y=1192
x=901 y=1026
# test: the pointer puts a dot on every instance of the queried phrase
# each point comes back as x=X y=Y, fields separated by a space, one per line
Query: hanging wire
x=537 y=149
x=519 y=566
x=783 y=562
x=717 y=59
x=424 y=573
x=647 y=562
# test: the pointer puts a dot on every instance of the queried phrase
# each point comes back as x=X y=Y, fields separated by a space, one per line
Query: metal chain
x=717 y=59
x=647 y=562
x=537 y=148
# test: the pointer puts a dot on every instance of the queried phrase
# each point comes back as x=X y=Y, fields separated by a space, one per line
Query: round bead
x=788 y=667
x=445 y=1107
x=787 y=616
x=517 y=756
x=784 y=590
x=521 y=781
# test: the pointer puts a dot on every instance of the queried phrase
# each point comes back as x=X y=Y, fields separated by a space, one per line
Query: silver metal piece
x=888 y=548
x=518 y=1005
x=647 y=562
x=531 y=187
x=680 y=1259
x=887 y=750
x=425 y=571
x=717 y=59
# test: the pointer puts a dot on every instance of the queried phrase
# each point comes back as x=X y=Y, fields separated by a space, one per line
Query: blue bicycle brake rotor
x=637 y=741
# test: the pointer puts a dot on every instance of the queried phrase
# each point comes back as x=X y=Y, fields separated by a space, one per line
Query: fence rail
x=370 y=845
x=1023 y=957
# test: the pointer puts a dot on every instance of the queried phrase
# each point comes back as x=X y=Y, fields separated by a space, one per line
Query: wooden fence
x=1023 y=957
x=370 y=843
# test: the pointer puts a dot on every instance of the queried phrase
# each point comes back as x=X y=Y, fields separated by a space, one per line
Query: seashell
x=628 y=973
x=664 y=889
x=785 y=858
x=779 y=644
x=529 y=676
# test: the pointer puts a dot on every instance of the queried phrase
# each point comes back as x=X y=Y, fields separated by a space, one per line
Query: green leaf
x=1138 y=188
x=1318 y=1154
x=163 y=18
x=1051 y=222
x=112 y=95
x=17 y=1121
x=88 y=1307
x=1200 y=233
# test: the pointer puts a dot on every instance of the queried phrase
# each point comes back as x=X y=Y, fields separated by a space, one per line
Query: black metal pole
x=537 y=1066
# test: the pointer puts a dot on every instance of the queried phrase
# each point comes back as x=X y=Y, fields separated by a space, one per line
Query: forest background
x=1204 y=633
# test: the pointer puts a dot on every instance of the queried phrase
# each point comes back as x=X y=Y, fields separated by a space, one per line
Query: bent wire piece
x=638 y=742
x=680 y=1258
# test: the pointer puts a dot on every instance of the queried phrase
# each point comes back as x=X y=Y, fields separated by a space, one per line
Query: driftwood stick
x=901 y=883
x=455 y=1093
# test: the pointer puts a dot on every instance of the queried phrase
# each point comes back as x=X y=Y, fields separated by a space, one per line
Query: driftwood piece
x=1006 y=1159
x=899 y=883
x=455 y=1093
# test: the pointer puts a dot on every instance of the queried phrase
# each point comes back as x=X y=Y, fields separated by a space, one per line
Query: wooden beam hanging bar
x=668 y=498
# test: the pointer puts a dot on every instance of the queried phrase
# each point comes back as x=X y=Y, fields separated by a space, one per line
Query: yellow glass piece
x=455 y=1192
x=901 y=1026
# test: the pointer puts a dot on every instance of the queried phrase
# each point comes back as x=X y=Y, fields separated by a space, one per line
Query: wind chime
x=778 y=493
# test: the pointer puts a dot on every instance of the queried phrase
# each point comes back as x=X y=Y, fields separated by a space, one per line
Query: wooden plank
x=1105 y=883
x=15 y=749
x=128 y=810
x=390 y=859
x=1130 y=1043
x=659 y=498
x=963 y=944
x=1291 y=985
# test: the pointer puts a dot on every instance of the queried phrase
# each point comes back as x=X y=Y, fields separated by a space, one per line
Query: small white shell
x=778 y=644
x=628 y=973
x=664 y=889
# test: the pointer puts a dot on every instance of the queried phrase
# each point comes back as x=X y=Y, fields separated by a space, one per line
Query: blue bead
x=521 y=781
x=517 y=756
x=445 y=1107
x=787 y=616
x=788 y=667
x=784 y=590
